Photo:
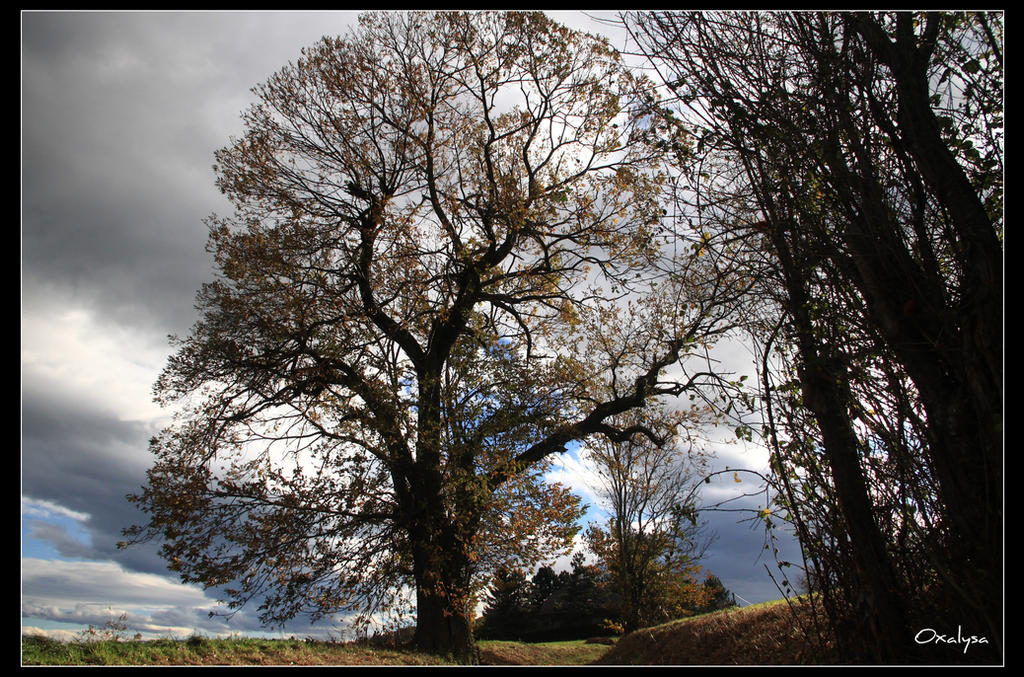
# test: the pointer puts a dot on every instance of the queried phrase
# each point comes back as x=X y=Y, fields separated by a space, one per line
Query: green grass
x=37 y=650
x=756 y=635
x=205 y=651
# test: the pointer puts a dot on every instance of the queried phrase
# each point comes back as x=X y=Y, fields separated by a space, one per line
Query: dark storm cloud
x=113 y=176
x=740 y=560
x=83 y=458
x=121 y=115
x=731 y=509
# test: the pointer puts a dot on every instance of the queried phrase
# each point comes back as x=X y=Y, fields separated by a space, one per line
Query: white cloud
x=48 y=509
x=171 y=622
x=568 y=469
x=94 y=593
x=49 y=633
x=110 y=366
x=85 y=593
x=82 y=594
x=71 y=585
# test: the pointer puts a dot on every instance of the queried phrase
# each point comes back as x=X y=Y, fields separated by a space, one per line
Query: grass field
x=763 y=634
x=207 y=651
x=204 y=651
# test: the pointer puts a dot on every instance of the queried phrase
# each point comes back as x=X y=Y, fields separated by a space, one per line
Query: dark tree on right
x=854 y=162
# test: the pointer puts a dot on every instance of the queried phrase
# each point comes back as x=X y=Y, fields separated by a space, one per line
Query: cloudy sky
x=121 y=114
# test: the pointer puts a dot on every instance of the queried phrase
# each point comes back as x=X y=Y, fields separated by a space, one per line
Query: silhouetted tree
x=854 y=161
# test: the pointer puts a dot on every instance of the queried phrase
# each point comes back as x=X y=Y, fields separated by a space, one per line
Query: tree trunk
x=960 y=381
x=946 y=348
x=442 y=574
x=826 y=395
x=443 y=628
x=823 y=388
x=441 y=536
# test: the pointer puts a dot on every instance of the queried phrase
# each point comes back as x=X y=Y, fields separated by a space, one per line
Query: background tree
x=421 y=298
x=573 y=604
x=506 y=614
x=716 y=596
x=542 y=587
x=854 y=160
x=652 y=541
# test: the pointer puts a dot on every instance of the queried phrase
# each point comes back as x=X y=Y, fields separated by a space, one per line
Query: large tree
x=422 y=297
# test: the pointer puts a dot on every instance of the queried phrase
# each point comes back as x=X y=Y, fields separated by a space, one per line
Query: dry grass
x=247 y=651
x=765 y=634
x=544 y=653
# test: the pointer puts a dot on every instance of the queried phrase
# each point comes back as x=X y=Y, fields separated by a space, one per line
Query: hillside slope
x=767 y=634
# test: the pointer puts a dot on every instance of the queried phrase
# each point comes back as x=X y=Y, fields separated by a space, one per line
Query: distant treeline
x=575 y=604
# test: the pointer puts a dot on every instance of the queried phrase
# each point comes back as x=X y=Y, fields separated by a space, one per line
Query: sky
x=121 y=113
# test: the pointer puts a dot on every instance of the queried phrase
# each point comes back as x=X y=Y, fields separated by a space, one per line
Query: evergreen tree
x=550 y=606
x=544 y=584
x=716 y=595
x=505 y=616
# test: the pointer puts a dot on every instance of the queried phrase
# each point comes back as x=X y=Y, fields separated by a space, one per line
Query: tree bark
x=952 y=351
x=826 y=395
x=441 y=536
x=443 y=626
x=442 y=573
